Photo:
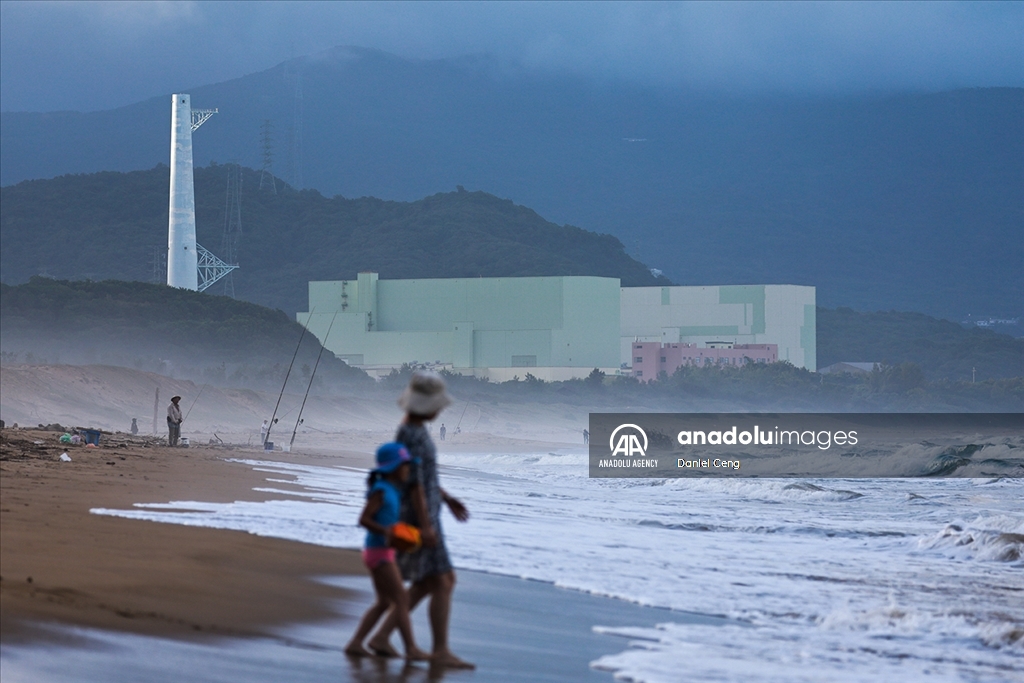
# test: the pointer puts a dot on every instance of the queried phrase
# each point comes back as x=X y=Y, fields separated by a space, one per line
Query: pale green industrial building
x=552 y=327
x=784 y=315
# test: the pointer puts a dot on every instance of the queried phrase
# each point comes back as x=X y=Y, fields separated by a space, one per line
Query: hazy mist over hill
x=907 y=202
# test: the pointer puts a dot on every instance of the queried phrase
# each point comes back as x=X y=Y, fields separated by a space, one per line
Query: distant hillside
x=110 y=225
x=161 y=329
x=943 y=350
x=883 y=201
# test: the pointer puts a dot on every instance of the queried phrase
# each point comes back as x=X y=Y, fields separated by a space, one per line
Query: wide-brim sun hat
x=175 y=397
x=426 y=394
x=390 y=457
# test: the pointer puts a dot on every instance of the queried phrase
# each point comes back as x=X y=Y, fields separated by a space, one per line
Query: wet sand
x=515 y=631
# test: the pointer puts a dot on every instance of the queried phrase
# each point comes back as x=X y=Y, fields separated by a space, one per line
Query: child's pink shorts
x=375 y=557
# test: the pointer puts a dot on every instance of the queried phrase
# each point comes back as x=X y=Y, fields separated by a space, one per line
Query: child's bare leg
x=379 y=642
x=355 y=646
x=389 y=584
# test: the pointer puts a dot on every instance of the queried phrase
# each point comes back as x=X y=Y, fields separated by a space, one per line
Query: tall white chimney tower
x=182 y=251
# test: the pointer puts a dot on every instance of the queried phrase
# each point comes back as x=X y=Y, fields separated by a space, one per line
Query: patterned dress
x=426 y=561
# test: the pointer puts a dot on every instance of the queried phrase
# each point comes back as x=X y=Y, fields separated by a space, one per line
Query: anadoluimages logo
x=628 y=444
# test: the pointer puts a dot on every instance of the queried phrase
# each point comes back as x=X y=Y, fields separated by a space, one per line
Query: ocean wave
x=885 y=642
x=986 y=539
x=804 y=567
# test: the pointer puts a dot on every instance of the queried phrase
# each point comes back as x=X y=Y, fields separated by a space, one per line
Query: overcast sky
x=99 y=55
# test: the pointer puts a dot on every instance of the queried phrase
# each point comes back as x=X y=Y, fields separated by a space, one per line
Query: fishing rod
x=320 y=430
x=194 y=402
x=298 y=418
x=286 y=375
x=462 y=416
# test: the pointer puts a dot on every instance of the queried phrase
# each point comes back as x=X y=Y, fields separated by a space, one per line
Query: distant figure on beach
x=442 y=432
x=174 y=421
x=263 y=431
x=429 y=568
x=586 y=437
x=383 y=505
x=135 y=426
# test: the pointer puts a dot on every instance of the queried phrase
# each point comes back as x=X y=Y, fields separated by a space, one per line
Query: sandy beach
x=155 y=564
x=61 y=563
x=91 y=597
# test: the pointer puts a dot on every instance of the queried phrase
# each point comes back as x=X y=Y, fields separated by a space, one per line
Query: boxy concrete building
x=783 y=315
x=553 y=327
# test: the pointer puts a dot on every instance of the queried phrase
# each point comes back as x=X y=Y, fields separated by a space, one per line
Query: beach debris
x=64 y=457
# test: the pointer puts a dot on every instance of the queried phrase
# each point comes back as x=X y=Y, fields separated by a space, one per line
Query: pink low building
x=652 y=358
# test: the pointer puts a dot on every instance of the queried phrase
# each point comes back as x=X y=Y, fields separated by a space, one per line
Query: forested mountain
x=942 y=349
x=883 y=201
x=110 y=225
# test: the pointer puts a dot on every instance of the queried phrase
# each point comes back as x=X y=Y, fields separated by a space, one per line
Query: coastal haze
x=872 y=153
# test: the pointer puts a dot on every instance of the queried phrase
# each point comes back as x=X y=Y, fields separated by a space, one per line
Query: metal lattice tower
x=295 y=133
x=159 y=263
x=232 y=224
x=267 y=172
x=210 y=268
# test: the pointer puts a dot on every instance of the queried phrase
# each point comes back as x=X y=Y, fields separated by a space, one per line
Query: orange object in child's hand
x=405 y=538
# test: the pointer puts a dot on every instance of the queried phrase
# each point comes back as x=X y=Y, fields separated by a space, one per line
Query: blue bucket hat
x=390 y=457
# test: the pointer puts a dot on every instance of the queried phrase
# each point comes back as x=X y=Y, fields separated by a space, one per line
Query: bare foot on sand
x=357 y=650
x=418 y=655
x=382 y=649
x=449 y=661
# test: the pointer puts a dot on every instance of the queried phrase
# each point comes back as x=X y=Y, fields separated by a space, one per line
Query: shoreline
x=120 y=600
x=62 y=564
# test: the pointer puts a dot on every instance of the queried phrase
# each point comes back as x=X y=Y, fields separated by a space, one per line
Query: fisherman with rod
x=175 y=418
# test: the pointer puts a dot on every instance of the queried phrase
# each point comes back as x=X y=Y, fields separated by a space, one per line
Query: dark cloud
x=98 y=55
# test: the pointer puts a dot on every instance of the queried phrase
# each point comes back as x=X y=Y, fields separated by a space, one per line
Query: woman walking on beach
x=383 y=503
x=429 y=568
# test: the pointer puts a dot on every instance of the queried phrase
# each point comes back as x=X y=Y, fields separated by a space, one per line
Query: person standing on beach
x=135 y=426
x=429 y=569
x=263 y=431
x=174 y=420
x=442 y=431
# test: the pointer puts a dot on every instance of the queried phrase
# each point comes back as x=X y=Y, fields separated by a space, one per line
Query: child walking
x=383 y=501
